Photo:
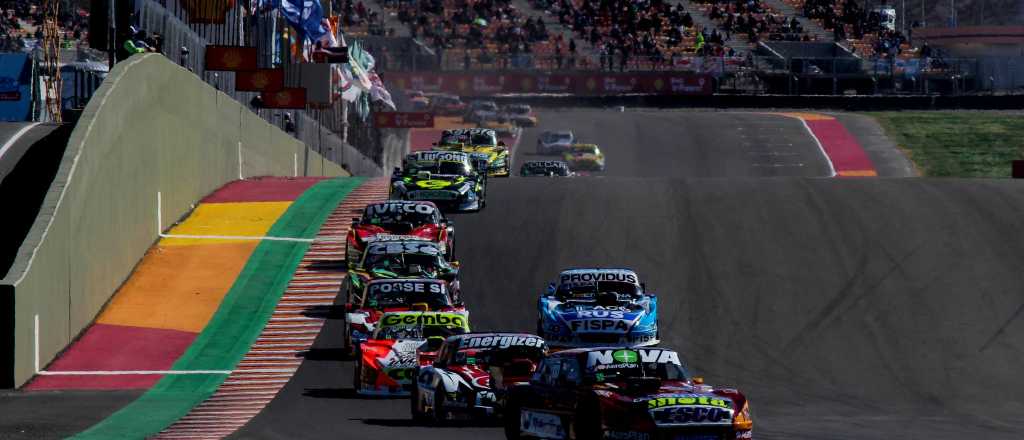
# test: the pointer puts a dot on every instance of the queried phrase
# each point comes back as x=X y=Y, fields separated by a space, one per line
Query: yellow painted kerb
x=251 y=219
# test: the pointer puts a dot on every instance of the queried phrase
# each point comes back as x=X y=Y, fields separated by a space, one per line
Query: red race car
x=467 y=377
x=387 y=362
x=393 y=295
x=386 y=220
x=623 y=393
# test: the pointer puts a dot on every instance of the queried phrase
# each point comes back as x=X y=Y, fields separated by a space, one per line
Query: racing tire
x=510 y=423
x=414 y=406
x=357 y=377
x=587 y=421
x=437 y=415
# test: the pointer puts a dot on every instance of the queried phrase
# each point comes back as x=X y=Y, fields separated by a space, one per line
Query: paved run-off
x=236 y=323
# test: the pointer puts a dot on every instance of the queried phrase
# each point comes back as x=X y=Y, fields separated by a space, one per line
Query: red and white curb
x=294 y=325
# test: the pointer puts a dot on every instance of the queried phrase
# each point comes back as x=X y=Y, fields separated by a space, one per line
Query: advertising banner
x=230 y=58
x=260 y=80
x=285 y=98
x=403 y=120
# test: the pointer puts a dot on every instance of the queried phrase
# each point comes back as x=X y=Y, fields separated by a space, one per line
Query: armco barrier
x=824 y=102
x=151 y=127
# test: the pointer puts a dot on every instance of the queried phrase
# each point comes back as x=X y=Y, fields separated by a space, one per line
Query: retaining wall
x=151 y=127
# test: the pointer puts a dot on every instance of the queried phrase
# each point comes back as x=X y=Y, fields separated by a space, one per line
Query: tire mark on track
x=277 y=353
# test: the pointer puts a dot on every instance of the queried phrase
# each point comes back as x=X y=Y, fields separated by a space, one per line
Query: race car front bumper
x=602 y=339
x=470 y=406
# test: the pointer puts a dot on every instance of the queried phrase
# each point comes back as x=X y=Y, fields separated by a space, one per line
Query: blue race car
x=596 y=307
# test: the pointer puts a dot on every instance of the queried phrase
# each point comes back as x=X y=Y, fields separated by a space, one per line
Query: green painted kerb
x=236 y=324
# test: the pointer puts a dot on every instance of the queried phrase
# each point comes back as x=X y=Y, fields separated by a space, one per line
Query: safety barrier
x=151 y=127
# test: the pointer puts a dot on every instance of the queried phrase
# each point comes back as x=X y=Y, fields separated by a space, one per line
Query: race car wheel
x=356 y=376
x=414 y=406
x=510 y=421
x=438 y=413
x=587 y=423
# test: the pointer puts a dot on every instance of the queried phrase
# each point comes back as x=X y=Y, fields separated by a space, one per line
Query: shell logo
x=463 y=84
x=659 y=84
x=591 y=84
x=381 y=119
x=400 y=82
x=283 y=96
x=527 y=84
x=231 y=59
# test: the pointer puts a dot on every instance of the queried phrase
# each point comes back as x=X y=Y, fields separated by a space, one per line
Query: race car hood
x=435 y=182
x=582 y=157
x=598 y=319
x=493 y=153
x=673 y=403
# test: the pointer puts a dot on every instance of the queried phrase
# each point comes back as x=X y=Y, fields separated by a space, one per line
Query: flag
x=230 y=58
x=305 y=16
x=379 y=93
x=260 y=80
x=285 y=98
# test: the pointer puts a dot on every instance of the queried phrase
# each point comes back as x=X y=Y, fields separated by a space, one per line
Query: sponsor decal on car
x=601 y=325
x=500 y=341
x=687 y=400
x=409 y=207
x=434 y=195
x=401 y=247
x=579 y=276
x=394 y=237
x=426 y=319
x=626 y=435
x=691 y=415
x=405 y=286
x=613 y=358
x=538 y=423
x=437 y=156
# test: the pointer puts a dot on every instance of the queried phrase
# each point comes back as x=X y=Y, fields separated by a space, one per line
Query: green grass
x=958 y=144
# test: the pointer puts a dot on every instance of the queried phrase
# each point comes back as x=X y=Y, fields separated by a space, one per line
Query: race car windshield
x=483 y=139
x=586 y=149
x=435 y=300
x=624 y=371
x=589 y=290
x=559 y=137
x=399 y=332
x=485 y=357
x=405 y=264
x=445 y=167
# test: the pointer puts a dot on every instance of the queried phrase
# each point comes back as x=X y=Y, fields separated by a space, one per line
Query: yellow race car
x=584 y=157
x=481 y=141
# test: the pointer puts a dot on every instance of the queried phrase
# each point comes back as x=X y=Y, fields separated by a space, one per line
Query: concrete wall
x=152 y=127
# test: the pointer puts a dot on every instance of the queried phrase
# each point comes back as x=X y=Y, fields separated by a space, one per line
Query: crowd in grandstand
x=849 y=20
x=21 y=23
x=755 y=20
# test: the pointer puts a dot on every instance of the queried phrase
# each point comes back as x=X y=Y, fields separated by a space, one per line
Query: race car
x=555 y=142
x=388 y=360
x=590 y=307
x=470 y=374
x=623 y=393
x=390 y=295
x=448 y=178
x=521 y=115
x=478 y=140
x=447 y=105
x=584 y=157
x=545 y=168
x=402 y=258
x=483 y=111
x=396 y=218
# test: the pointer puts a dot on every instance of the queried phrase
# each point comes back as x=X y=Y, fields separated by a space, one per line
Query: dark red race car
x=470 y=372
x=386 y=220
x=623 y=393
x=393 y=295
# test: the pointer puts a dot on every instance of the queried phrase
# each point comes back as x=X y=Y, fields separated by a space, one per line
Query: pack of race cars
x=593 y=369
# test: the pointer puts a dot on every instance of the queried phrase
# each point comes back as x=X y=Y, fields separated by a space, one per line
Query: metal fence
x=324 y=130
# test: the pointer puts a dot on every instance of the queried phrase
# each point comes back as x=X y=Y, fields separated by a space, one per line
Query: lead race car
x=478 y=140
x=470 y=374
x=545 y=168
x=397 y=218
x=388 y=360
x=402 y=258
x=598 y=307
x=448 y=178
x=364 y=311
x=623 y=393
x=584 y=157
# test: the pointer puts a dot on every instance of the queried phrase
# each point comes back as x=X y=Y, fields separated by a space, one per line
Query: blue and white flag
x=305 y=16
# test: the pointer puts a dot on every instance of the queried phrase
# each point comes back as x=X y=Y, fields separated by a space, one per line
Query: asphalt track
x=844 y=308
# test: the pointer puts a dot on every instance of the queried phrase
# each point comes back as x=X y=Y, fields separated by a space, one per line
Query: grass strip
x=957 y=143
x=236 y=324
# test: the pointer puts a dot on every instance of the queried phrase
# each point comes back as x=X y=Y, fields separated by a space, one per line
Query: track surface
x=851 y=309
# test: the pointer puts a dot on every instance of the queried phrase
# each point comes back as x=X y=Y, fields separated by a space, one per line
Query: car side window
x=548 y=372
